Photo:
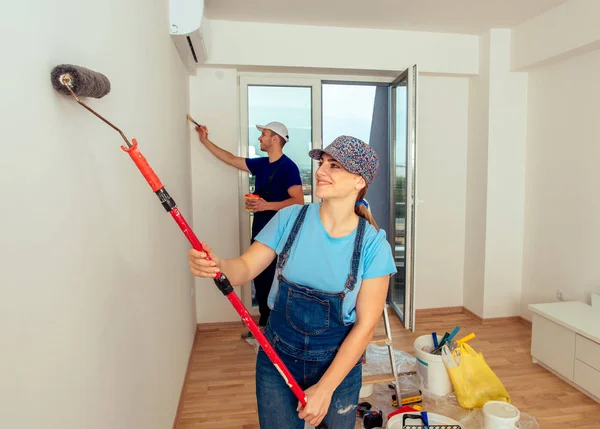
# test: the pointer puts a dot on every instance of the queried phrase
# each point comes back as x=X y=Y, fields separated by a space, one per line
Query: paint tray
x=412 y=420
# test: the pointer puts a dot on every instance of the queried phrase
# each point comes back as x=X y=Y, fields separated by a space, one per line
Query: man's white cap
x=277 y=128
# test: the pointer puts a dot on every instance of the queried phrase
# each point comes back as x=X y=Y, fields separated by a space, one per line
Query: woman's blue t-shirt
x=322 y=262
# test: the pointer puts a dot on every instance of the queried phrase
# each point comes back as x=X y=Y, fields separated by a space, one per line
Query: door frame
x=315 y=81
x=410 y=75
x=251 y=79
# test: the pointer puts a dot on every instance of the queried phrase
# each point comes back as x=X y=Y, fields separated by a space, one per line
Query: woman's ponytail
x=362 y=210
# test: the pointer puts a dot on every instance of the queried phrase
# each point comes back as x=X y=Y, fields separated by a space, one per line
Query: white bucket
x=500 y=415
x=367 y=389
x=395 y=422
x=433 y=376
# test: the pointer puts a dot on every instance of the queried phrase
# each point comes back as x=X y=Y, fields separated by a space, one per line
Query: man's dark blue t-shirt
x=286 y=175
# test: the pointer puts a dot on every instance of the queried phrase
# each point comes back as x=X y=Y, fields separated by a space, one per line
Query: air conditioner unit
x=186 y=31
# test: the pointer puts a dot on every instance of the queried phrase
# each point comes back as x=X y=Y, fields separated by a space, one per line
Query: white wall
x=496 y=182
x=283 y=45
x=505 y=181
x=562 y=216
x=441 y=178
x=214 y=103
x=95 y=307
x=566 y=30
x=476 y=187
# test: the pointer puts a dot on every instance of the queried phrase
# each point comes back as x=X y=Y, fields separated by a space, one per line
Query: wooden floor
x=220 y=386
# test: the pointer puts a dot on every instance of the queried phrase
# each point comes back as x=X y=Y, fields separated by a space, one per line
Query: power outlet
x=560 y=295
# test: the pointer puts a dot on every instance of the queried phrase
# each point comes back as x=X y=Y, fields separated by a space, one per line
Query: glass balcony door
x=403 y=150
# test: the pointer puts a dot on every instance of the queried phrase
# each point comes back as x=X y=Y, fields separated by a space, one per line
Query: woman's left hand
x=318 y=400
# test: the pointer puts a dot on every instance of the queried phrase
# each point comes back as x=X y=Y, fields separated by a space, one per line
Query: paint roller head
x=82 y=81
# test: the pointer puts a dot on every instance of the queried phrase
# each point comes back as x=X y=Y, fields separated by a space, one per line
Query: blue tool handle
x=425 y=418
x=435 y=340
x=452 y=334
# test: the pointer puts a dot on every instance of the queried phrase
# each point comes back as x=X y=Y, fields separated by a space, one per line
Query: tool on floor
x=454 y=345
x=410 y=399
x=192 y=120
x=78 y=81
x=449 y=348
x=465 y=339
x=373 y=419
x=452 y=334
x=446 y=340
x=441 y=343
x=363 y=407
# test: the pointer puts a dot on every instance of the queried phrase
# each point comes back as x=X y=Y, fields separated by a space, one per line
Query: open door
x=403 y=156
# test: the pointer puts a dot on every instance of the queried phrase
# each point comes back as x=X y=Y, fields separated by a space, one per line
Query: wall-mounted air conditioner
x=186 y=31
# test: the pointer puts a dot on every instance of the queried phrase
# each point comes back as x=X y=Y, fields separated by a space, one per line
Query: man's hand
x=223 y=155
x=258 y=205
x=203 y=134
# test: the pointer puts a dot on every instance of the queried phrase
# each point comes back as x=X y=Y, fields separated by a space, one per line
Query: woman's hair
x=362 y=211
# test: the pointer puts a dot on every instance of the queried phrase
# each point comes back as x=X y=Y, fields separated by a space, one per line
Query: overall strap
x=283 y=256
x=352 y=277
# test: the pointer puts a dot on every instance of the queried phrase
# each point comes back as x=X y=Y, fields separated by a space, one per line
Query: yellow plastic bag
x=474 y=381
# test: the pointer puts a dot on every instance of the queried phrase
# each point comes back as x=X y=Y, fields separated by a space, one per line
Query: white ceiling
x=448 y=16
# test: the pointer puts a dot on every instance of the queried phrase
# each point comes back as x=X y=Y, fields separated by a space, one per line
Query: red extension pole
x=221 y=281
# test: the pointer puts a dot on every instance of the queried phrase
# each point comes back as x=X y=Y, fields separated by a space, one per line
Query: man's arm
x=225 y=156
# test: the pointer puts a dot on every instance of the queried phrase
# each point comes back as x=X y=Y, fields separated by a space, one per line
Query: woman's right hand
x=202 y=267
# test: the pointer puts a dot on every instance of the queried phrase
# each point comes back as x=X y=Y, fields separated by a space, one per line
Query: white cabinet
x=553 y=345
x=565 y=339
x=588 y=378
x=587 y=351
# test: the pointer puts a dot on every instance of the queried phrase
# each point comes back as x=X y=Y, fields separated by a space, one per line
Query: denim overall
x=306 y=328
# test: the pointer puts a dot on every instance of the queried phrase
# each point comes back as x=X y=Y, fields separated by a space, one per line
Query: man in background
x=277 y=182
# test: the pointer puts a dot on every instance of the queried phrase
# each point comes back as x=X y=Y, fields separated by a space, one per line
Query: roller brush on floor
x=77 y=81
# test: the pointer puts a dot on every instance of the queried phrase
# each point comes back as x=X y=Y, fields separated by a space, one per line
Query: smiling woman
x=333 y=270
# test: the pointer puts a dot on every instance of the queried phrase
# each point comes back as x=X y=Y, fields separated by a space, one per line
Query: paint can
x=431 y=371
x=500 y=415
x=367 y=389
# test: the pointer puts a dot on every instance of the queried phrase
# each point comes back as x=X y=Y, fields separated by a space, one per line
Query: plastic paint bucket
x=433 y=376
x=500 y=415
x=367 y=389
